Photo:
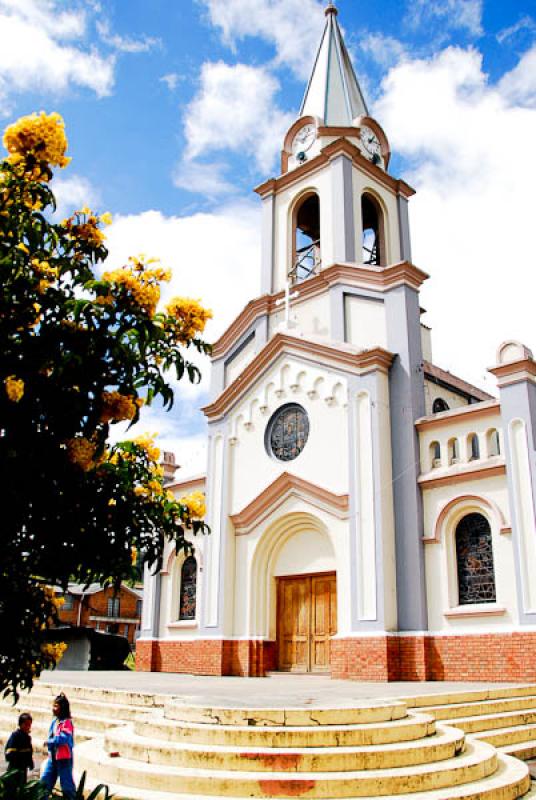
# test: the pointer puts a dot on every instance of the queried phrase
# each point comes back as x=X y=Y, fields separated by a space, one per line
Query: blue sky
x=175 y=109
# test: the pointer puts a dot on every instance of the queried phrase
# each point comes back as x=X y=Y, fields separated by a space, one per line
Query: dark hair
x=24 y=718
x=65 y=709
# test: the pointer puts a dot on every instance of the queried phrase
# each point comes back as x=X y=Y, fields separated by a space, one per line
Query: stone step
x=506 y=736
x=43 y=717
x=457 y=710
x=523 y=750
x=468 y=696
x=510 y=781
x=39 y=734
x=479 y=761
x=446 y=743
x=285 y=717
x=414 y=726
x=490 y=722
x=95 y=708
x=120 y=696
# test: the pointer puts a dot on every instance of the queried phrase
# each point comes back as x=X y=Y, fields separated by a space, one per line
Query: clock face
x=304 y=138
x=370 y=142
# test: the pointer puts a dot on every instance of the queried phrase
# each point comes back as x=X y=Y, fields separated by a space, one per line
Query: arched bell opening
x=373 y=241
x=306 y=245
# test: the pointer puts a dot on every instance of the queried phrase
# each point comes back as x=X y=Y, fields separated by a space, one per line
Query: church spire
x=333 y=92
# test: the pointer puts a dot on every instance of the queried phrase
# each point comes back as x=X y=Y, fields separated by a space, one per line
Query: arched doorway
x=306 y=596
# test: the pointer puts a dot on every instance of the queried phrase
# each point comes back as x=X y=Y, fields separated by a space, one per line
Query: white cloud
x=246 y=96
x=519 y=85
x=473 y=212
x=125 y=44
x=172 y=80
x=524 y=24
x=292 y=26
x=37 y=51
x=74 y=192
x=214 y=257
x=384 y=50
x=452 y=14
x=207 y=179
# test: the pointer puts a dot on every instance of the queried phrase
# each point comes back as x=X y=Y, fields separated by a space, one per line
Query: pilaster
x=516 y=374
x=267 y=263
x=407 y=405
x=343 y=224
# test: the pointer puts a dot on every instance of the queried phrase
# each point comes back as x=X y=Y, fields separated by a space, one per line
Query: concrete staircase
x=435 y=746
x=505 y=718
x=94 y=710
x=376 y=749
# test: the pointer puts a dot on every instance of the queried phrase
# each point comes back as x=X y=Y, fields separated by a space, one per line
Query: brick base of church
x=482 y=657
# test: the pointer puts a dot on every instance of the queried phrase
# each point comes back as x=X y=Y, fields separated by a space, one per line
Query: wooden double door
x=306 y=620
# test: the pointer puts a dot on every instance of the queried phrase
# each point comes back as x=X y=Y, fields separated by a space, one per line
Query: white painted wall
x=321 y=393
x=441 y=573
x=365 y=323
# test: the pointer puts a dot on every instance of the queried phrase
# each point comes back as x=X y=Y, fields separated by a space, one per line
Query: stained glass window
x=188 y=589
x=474 y=556
x=287 y=432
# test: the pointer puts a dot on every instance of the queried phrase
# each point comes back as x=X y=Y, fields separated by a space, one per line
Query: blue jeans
x=62 y=769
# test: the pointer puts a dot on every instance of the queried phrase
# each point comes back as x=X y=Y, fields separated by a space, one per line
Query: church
x=372 y=515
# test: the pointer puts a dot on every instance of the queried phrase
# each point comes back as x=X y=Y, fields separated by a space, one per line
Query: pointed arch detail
x=285 y=486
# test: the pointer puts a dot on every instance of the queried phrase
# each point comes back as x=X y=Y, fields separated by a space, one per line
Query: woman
x=60 y=745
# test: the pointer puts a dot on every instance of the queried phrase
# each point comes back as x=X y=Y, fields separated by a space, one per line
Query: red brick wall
x=484 y=657
x=206 y=657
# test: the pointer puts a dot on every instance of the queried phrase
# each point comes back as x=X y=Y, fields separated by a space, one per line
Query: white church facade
x=372 y=516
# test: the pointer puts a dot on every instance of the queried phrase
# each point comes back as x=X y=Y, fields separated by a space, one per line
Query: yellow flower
x=106 y=218
x=14 y=388
x=39 y=135
x=54 y=650
x=140 y=284
x=22 y=246
x=190 y=318
x=81 y=452
x=146 y=442
x=116 y=406
x=195 y=504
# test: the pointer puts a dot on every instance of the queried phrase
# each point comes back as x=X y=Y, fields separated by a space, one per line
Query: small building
x=103 y=609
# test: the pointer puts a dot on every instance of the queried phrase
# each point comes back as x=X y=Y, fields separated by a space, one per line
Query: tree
x=81 y=349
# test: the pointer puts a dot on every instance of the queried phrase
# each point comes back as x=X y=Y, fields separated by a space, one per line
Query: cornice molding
x=358 y=362
x=442 y=419
x=277 y=492
x=380 y=279
x=469 y=472
x=327 y=154
x=514 y=371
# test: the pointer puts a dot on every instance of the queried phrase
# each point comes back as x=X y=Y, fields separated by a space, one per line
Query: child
x=60 y=745
x=19 y=750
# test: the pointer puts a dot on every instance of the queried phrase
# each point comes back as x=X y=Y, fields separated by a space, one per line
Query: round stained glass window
x=287 y=432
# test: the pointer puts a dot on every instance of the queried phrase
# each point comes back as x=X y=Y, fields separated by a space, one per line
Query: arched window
x=454 y=451
x=188 y=589
x=474 y=558
x=494 y=444
x=372 y=245
x=306 y=258
x=439 y=405
x=435 y=454
x=473 y=447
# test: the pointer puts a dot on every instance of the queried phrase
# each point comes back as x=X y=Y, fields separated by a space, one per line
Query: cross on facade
x=286 y=300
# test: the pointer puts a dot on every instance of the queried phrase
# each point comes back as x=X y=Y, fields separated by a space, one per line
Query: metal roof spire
x=333 y=92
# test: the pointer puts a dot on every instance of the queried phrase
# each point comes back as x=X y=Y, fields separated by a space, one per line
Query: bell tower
x=334 y=202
